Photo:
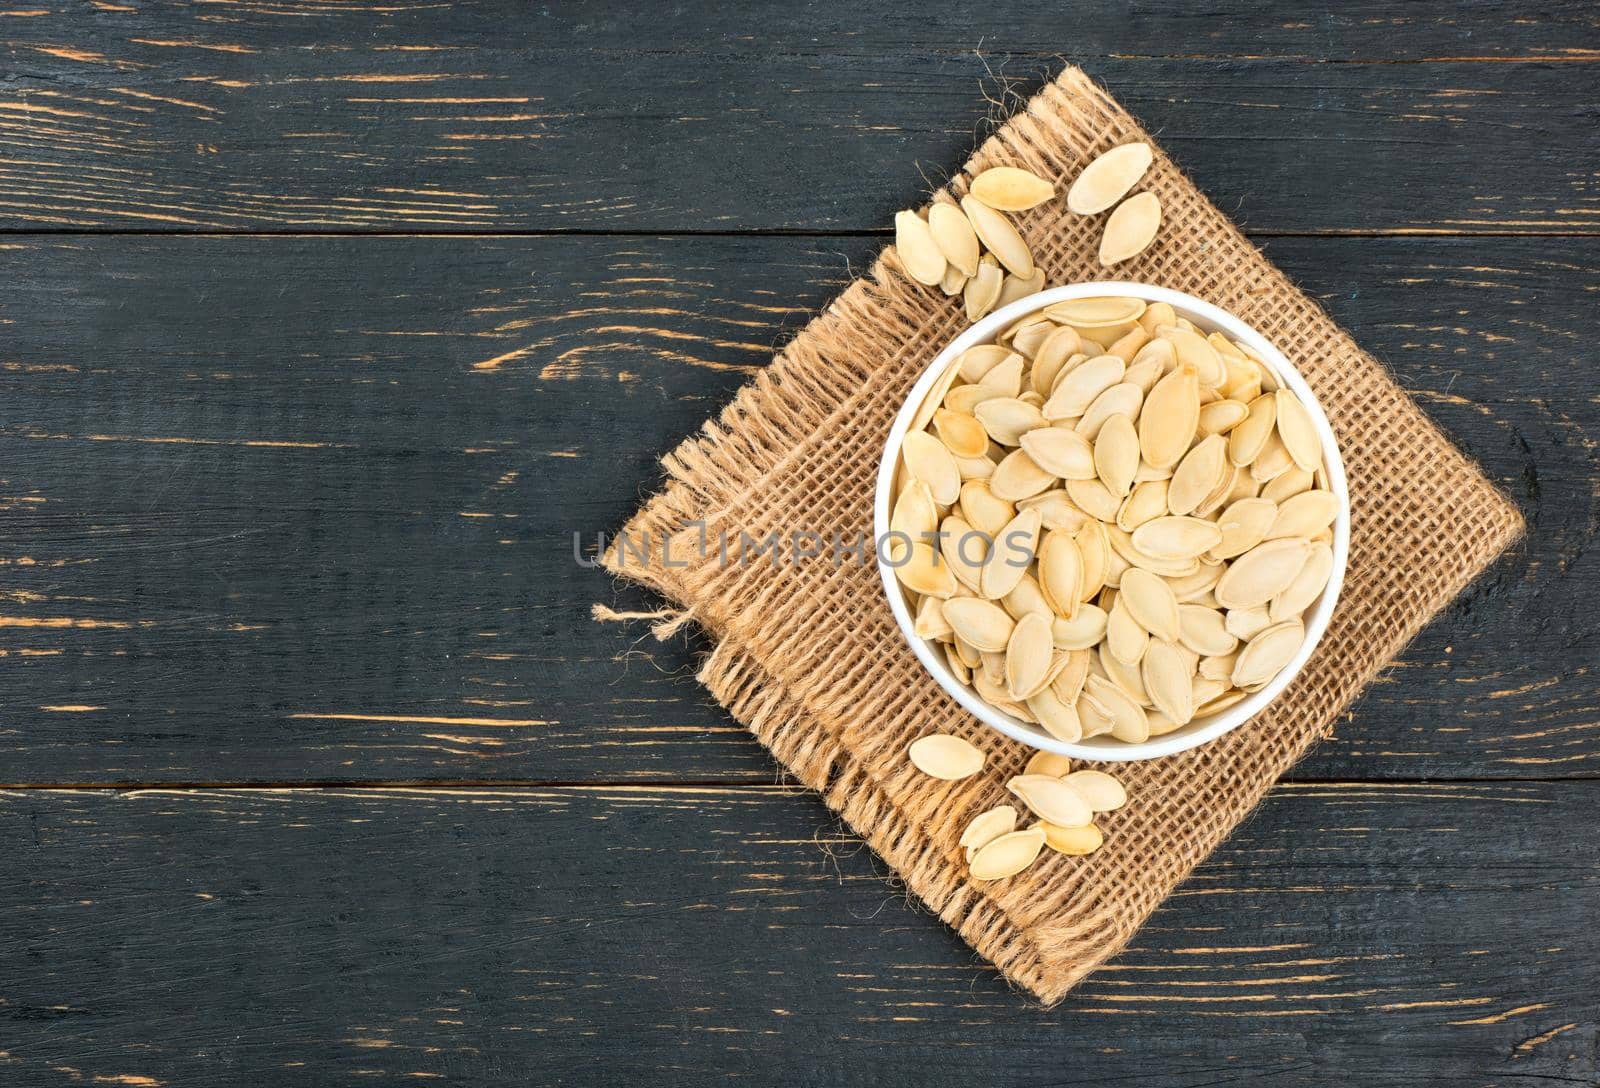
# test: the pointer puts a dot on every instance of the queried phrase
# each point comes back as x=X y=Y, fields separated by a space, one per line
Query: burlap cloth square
x=808 y=656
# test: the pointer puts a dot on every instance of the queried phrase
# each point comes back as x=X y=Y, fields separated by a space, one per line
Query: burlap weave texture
x=808 y=654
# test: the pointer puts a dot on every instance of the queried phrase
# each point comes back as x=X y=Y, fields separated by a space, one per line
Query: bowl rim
x=1318 y=615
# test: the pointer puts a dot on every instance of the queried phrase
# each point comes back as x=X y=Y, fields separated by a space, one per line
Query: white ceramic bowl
x=1208 y=318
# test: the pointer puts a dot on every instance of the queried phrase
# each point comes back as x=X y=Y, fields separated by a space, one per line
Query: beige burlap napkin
x=809 y=657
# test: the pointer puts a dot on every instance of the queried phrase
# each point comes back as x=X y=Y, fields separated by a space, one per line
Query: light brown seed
x=930 y=622
x=923 y=571
x=1012 y=553
x=1052 y=356
x=1166 y=676
x=1079 y=632
x=1007 y=855
x=982 y=510
x=927 y=459
x=995 y=231
x=1261 y=573
x=986 y=827
x=961 y=434
x=954 y=236
x=1126 y=638
x=1199 y=474
x=1143 y=505
x=1204 y=631
x=946 y=757
x=1298 y=433
x=1151 y=601
x=1049 y=764
x=963 y=549
x=1129 y=723
x=1306 y=587
x=1131 y=229
x=1222 y=416
x=1011 y=189
x=1287 y=484
x=1244 y=524
x=952 y=282
x=1051 y=799
x=1094 y=498
x=1246 y=441
x=1007 y=419
x=1116 y=454
x=1171 y=414
x=1196 y=350
x=1056 y=717
x=966 y=398
x=1264 y=656
x=1060 y=572
x=1175 y=537
x=1061 y=452
x=1218 y=667
x=1057 y=510
x=1099 y=790
x=914 y=512
x=1028 y=339
x=1006 y=376
x=982 y=292
x=974 y=468
x=1273 y=461
x=977 y=361
x=1305 y=514
x=1014 y=287
x=979 y=622
x=1104 y=311
x=1108 y=178
x=913 y=241
x=1072 y=841
x=1247 y=623
x=1018 y=477
x=1028 y=656
x=1122 y=399
x=935 y=397
x=1078 y=389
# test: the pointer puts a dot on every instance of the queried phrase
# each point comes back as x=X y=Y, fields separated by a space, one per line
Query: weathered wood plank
x=308 y=116
x=301 y=508
x=1347 y=934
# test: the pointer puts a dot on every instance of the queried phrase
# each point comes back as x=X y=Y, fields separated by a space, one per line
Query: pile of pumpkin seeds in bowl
x=1116 y=520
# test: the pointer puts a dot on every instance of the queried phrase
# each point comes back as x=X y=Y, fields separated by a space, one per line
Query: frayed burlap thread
x=808 y=655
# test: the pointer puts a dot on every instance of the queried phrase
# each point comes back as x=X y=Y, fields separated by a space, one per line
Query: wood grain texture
x=314 y=116
x=344 y=473
x=1347 y=934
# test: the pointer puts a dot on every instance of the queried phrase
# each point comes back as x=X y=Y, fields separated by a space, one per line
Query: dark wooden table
x=326 y=324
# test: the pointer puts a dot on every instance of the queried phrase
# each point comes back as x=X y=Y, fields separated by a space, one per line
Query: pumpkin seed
x=982 y=292
x=1100 y=791
x=1122 y=399
x=1222 y=416
x=1088 y=313
x=1060 y=452
x=1248 y=438
x=952 y=281
x=987 y=827
x=1261 y=573
x=1127 y=345
x=1057 y=510
x=1171 y=414
x=1011 y=554
x=995 y=231
x=1082 y=631
x=1007 y=419
x=927 y=459
x=1078 y=389
x=1061 y=572
x=1052 y=356
x=1116 y=455
x=1011 y=189
x=1196 y=350
x=1014 y=287
x=1051 y=799
x=1143 y=505
x=922 y=571
x=954 y=236
x=1049 y=764
x=1198 y=474
x=1287 y=484
x=1108 y=178
x=1007 y=855
x=1305 y=514
x=1057 y=717
x=913 y=241
x=1126 y=639
x=930 y=622
x=1272 y=461
x=1072 y=841
x=1029 y=654
x=1006 y=375
x=915 y=513
x=982 y=510
x=1264 y=656
x=1299 y=434
x=1175 y=537
x=966 y=398
x=1167 y=676
x=979 y=622
x=1151 y=602
x=1204 y=631
x=1306 y=587
x=946 y=757
x=1246 y=623
x=1131 y=229
x=1093 y=497
x=1218 y=666
x=963 y=549
x=1128 y=721
x=1244 y=524
x=1018 y=477
x=961 y=434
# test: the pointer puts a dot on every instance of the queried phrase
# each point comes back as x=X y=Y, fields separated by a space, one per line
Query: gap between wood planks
x=885 y=233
